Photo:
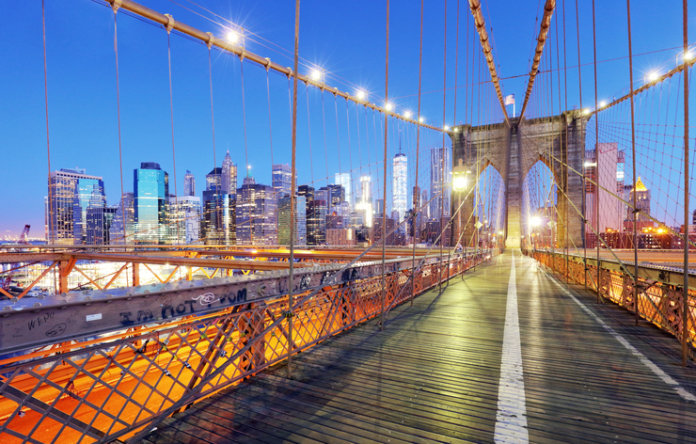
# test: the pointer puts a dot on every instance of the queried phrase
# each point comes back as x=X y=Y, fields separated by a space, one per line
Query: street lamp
x=460 y=183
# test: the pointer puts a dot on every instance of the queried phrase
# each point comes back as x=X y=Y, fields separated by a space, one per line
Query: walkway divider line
x=511 y=418
x=667 y=379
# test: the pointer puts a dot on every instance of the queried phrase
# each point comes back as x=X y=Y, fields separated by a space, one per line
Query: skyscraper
x=344 y=180
x=364 y=205
x=218 y=224
x=306 y=192
x=185 y=219
x=228 y=175
x=642 y=206
x=123 y=224
x=151 y=191
x=256 y=214
x=213 y=180
x=281 y=179
x=440 y=197
x=70 y=192
x=284 y=206
x=606 y=169
x=189 y=184
x=301 y=220
x=399 y=185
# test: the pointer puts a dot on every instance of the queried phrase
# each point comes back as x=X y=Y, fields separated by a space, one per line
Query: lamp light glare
x=361 y=95
x=535 y=221
x=421 y=119
x=446 y=128
x=689 y=56
x=586 y=111
x=233 y=37
x=459 y=182
x=389 y=106
x=653 y=76
x=408 y=114
x=316 y=75
x=602 y=103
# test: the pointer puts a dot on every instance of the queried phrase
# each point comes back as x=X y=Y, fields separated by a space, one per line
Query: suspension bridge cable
x=118 y=120
x=633 y=161
x=171 y=118
x=442 y=149
x=338 y=138
x=270 y=122
x=416 y=192
x=293 y=185
x=384 y=176
x=212 y=106
x=596 y=122
x=685 y=290
x=52 y=191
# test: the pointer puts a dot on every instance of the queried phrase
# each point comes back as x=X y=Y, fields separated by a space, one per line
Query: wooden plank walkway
x=433 y=375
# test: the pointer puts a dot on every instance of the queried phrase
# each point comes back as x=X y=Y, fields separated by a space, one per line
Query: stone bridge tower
x=512 y=150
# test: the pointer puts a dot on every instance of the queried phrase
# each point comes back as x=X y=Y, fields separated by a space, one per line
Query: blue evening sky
x=347 y=39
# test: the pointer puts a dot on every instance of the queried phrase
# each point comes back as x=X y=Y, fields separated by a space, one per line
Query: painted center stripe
x=511 y=419
x=681 y=391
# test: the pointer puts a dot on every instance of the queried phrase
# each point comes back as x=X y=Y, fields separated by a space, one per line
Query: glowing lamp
x=316 y=75
x=232 y=37
x=653 y=76
x=361 y=95
x=460 y=181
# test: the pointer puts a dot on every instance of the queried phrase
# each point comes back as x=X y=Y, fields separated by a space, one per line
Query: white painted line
x=667 y=379
x=511 y=419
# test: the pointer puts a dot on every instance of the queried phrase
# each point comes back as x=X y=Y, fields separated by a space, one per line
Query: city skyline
x=224 y=213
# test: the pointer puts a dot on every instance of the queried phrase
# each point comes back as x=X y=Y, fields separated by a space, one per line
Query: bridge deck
x=434 y=375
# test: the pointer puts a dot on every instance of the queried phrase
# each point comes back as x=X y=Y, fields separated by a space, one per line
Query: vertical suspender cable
x=565 y=66
x=212 y=107
x=350 y=158
x=454 y=125
x=685 y=293
x=338 y=139
x=170 y=25
x=584 y=203
x=216 y=215
x=384 y=175
x=417 y=194
x=442 y=150
x=51 y=191
x=293 y=180
x=246 y=151
x=270 y=122
x=309 y=136
x=558 y=67
x=118 y=120
x=323 y=128
x=633 y=155
x=565 y=126
x=596 y=116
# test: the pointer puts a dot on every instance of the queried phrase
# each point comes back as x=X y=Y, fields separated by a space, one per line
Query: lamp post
x=460 y=182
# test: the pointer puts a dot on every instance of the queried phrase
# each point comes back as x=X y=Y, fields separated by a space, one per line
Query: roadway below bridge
x=503 y=353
